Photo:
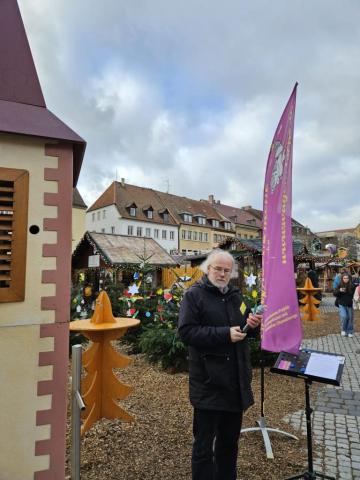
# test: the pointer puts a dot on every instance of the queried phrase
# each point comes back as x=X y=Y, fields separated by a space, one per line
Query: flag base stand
x=264 y=431
x=262 y=422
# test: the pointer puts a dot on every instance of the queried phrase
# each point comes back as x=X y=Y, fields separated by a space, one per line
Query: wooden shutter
x=14 y=192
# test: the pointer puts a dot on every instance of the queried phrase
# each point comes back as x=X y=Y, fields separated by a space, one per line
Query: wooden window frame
x=15 y=292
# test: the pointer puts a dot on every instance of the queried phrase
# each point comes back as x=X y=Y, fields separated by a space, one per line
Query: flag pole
x=276 y=238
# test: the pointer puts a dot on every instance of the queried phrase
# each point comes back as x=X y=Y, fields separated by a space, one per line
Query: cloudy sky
x=185 y=96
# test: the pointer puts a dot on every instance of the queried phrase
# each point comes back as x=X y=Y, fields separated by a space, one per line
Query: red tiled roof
x=178 y=205
x=124 y=194
x=238 y=215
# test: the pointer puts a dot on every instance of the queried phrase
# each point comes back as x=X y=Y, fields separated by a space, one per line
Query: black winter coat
x=345 y=298
x=219 y=370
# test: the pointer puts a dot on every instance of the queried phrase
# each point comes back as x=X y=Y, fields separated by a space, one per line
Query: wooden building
x=106 y=257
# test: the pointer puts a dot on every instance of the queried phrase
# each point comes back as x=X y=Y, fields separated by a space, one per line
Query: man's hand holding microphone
x=253 y=321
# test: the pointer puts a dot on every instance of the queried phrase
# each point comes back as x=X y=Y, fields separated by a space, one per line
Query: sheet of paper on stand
x=323 y=365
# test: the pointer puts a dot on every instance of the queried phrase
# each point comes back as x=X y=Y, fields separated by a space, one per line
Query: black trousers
x=215 y=447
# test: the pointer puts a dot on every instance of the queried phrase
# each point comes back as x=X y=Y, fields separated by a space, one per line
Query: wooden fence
x=170 y=275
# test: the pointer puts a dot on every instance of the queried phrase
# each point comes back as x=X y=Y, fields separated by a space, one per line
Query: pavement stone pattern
x=327 y=304
x=336 y=412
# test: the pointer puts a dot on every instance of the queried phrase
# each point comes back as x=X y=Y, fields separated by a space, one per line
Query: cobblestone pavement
x=327 y=304
x=336 y=416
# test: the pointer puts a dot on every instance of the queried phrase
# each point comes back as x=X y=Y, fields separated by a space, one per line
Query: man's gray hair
x=204 y=267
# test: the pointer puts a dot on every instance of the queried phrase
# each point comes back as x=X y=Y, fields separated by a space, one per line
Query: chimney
x=247 y=207
x=123 y=182
x=211 y=199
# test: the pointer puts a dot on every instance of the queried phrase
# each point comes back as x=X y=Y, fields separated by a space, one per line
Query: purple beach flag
x=281 y=328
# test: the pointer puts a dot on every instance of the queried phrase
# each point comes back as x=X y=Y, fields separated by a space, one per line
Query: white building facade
x=108 y=220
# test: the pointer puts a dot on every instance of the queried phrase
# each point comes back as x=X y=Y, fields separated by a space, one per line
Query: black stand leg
x=310 y=474
x=261 y=422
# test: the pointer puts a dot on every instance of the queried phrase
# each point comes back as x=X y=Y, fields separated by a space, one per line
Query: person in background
x=337 y=278
x=356 y=279
x=356 y=298
x=211 y=318
x=345 y=293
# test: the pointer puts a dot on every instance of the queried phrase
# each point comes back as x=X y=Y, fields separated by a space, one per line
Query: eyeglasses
x=219 y=269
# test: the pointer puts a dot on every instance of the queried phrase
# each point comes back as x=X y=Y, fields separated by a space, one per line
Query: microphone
x=257 y=311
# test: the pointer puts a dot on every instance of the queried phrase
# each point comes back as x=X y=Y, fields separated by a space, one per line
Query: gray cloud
x=189 y=93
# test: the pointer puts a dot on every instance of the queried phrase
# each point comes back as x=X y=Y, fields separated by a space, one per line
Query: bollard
x=77 y=405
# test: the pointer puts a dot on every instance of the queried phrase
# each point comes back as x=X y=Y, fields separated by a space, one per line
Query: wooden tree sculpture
x=308 y=310
x=101 y=388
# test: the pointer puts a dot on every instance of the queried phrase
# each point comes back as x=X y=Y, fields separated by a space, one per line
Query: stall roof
x=255 y=245
x=124 y=250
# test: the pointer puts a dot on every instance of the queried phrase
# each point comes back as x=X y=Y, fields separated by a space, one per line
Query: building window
x=93 y=216
x=205 y=237
x=215 y=223
x=201 y=220
x=156 y=233
x=98 y=215
x=132 y=211
x=148 y=232
x=200 y=236
x=14 y=188
x=195 y=235
x=130 y=230
x=189 y=235
x=104 y=213
x=245 y=235
x=187 y=217
x=103 y=230
x=183 y=234
x=166 y=217
x=215 y=237
x=150 y=214
x=112 y=230
x=139 y=231
x=172 y=235
x=163 y=234
x=227 y=225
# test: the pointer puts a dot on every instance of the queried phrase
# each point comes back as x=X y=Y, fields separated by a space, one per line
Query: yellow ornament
x=87 y=291
x=254 y=293
x=242 y=308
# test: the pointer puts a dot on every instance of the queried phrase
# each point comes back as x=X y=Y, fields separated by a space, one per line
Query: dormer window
x=148 y=211
x=227 y=225
x=251 y=221
x=187 y=217
x=215 y=223
x=165 y=215
x=131 y=207
x=201 y=220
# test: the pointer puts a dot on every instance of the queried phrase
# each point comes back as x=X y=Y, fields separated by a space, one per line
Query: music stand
x=262 y=422
x=310 y=365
